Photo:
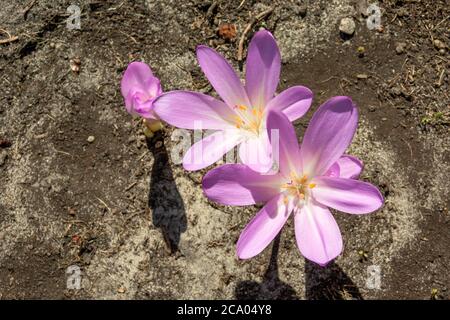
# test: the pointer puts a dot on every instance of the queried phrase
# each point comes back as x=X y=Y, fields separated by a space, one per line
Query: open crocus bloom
x=140 y=88
x=241 y=117
x=310 y=180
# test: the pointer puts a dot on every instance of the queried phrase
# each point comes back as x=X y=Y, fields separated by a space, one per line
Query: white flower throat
x=298 y=187
x=248 y=118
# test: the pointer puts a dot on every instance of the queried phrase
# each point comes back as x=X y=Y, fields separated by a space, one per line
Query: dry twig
x=247 y=29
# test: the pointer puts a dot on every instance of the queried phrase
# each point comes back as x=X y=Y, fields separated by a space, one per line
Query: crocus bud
x=140 y=88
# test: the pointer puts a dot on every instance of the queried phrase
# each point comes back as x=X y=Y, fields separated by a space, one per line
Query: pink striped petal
x=293 y=102
x=257 y=153
x=285 y=149
x=238 y=185
x=262 y=68
x=222 y=77
x=264 y=227
x=347 y=195
x=328 y=135
x=191 y=110
x=209 y=150
x=318 y=236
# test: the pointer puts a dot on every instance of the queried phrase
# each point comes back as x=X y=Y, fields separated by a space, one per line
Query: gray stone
x=347 y=26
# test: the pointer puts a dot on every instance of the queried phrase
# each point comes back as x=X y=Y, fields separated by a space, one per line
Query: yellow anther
x=311 y=185
x=241 y=107
x=301 y=196
x=285 y=200
x=255 y=112
x=304 y=179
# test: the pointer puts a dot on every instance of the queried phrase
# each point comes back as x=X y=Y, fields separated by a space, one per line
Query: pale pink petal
x=264 y=227
x=135 y=76
x=193 y=110
x=317 y=233
x=293 y=102
x=222 y=77
x=284 y=143
x=347 y=195
x=238 y=185
x=328 y=135
x=143 y=109
x=153 y=87
x=209 y=150
x=262 y=68
x=333 y=171
x=256 y=153
x=349 y=167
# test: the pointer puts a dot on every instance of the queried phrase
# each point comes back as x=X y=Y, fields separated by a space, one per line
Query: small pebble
x=347 y=26
x=362 y=76
x=402 y=12
x=396 y=91
x=302 y=10
x=90 y=139
x=400 y=47
x=439 y=44
x=75 y=64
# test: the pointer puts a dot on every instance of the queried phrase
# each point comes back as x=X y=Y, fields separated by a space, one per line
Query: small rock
x=372 y=108
x=402 y=12
x=362 y=76
x=121 y=290
x=439 y=44
x=302 y=10
x=71 y=211
x=361 y=7
x=396 y=91
x=90 y=139
x=400 y=47
x=361 y=51
x=75 y=64
x=442 y=51
x=347 y=26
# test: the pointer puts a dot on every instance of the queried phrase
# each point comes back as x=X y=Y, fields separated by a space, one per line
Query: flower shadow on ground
x=321 y=283
x=271 y=287
x=329 y=283
x=164 y=199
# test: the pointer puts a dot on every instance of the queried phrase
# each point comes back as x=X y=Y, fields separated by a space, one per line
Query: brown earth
x=138 y=226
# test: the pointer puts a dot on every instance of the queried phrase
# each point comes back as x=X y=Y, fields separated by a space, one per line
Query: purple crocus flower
x=241 y=117
x=140 y=88
x=311 y=179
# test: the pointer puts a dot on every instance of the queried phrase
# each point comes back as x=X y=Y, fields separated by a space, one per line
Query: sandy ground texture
x=135 y=225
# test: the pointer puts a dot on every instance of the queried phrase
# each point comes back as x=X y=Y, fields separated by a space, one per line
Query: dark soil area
x=66 y=201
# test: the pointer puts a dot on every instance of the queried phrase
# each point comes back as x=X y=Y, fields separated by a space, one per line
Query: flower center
x=248 y=118
x=298 y=187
